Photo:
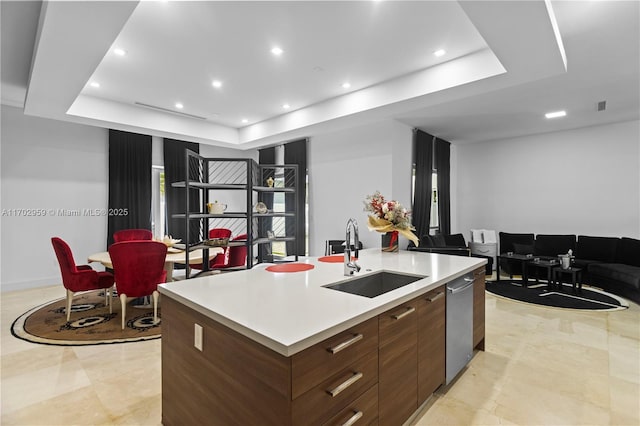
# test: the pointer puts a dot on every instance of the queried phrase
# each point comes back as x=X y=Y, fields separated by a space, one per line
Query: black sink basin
x=375 y=284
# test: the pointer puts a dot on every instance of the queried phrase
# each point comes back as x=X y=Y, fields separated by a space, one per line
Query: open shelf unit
x=240 y=183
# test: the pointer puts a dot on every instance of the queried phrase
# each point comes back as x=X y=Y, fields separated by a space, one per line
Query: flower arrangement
x=389 y=216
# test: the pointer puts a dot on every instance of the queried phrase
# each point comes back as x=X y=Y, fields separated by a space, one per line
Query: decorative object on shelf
x=261 y=207
x=270 y=182
x=216 y=208
x=217 y=242
x=271 y=235
x=389 y=217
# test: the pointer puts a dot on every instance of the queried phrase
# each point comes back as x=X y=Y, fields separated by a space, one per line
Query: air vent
x=170 y=111
x=602 y=105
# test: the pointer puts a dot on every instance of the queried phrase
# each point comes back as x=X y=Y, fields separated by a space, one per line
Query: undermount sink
x=375 y=284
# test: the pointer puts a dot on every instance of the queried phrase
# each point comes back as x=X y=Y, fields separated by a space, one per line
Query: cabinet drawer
x=334 y=394
x=361 y=412
x=431 y=342
x=398 y=362
x=315 y=364
x=397 y=323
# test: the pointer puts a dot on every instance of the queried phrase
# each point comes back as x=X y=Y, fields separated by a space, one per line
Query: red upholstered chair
x=132 y=235
x=138 y=268
x=237 y=254
x=79 y=277
x=222 y=258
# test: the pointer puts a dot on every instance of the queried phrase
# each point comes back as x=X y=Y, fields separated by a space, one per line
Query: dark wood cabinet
x=398 y=361
x=431 y=342
x=377 y=372
x=478 y=308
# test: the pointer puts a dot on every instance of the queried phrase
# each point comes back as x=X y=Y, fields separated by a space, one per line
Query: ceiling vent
x=170 y=111
x=602 y=105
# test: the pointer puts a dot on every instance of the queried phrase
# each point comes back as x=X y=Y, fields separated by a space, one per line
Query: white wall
x=49 y=165
x=345 y=167
x=236 y=201
x=584 y=181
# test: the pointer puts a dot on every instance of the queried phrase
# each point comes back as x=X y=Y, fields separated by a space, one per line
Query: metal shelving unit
x=210 y=176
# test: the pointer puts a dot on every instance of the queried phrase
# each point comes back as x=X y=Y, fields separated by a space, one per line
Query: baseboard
x=25 y=285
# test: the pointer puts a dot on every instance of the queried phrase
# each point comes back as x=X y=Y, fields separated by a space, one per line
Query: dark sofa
x=453 y=244
x=610 y=263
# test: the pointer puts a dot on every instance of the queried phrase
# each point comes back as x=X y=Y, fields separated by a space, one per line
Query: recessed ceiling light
x=440 y=52
x=244 y=120
x=286 y=106
x=346 y=85
x=277 y=51
x=217 y=84
x=556 y=114
x=94 y=84
x=120 y=52
x=179 y=105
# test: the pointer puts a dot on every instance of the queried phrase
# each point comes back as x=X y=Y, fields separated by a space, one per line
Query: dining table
x=174 y=256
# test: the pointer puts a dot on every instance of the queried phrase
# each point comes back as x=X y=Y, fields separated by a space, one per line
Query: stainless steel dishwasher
x=459 y=325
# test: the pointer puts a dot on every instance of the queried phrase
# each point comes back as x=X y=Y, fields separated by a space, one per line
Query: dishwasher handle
x=456 y=290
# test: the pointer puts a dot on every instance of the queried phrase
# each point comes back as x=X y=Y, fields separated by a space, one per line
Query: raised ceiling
x=503 y=69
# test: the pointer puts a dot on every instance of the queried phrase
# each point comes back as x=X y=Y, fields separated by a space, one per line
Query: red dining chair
x=132 y=235
x=221 y=259
x=77 y=278
x=237 y=255
x=138 y=268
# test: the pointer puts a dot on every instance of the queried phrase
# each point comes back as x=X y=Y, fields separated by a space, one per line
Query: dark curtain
x=266 y=156
x=423 y=157
x=442 y=157
x=129 y=182
x=175 y=198
x=296 y=153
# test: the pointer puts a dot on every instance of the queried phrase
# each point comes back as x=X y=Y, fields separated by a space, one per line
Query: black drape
x=423 y=158
x=266 y=156
x=175 y=198
x=296 y=153
x=442 y=163
x=129 y=182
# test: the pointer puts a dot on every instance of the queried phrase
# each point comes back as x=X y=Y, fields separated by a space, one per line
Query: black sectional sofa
x=453 y=244
x=610 y=263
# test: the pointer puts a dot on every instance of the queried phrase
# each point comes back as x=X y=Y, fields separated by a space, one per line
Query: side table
x=576 y=277
x=523 y=259
x=550 y=266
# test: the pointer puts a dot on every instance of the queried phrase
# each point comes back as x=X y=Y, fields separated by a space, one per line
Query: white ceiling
x=504 y=66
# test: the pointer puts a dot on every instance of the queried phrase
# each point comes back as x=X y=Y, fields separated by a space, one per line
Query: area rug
x=90 y=322
x=589 y=298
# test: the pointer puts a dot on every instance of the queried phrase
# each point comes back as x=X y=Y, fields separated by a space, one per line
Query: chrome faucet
x=351 y=266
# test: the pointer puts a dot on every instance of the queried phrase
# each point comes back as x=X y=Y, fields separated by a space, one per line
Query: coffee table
x=524 y=259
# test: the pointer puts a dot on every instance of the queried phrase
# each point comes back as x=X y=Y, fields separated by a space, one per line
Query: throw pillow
x=522 y=248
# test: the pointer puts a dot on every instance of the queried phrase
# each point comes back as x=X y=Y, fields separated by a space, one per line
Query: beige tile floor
x=542 y=366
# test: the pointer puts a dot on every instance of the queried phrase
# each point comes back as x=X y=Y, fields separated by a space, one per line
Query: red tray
x=290 y=267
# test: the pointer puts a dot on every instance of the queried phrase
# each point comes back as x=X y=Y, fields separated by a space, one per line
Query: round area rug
x=589 y=298
x=90 y=322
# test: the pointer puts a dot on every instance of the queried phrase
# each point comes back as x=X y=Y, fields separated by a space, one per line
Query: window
x=158 y=205
x=433 y=222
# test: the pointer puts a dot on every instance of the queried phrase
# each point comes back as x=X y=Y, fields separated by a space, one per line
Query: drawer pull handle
x=409 y=310
x=345 y=344
x=342 y=386
x=356 y=416
x=436 y=297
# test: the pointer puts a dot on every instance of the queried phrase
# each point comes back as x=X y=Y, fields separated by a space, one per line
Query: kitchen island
x=257 y=347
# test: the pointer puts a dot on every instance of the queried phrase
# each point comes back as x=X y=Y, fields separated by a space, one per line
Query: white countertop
x=288 y=312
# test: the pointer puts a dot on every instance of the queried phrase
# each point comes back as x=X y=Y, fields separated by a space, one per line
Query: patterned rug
x=589 y=298
x=90 y=322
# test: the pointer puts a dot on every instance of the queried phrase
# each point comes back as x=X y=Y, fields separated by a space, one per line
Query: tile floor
x=542 y=366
